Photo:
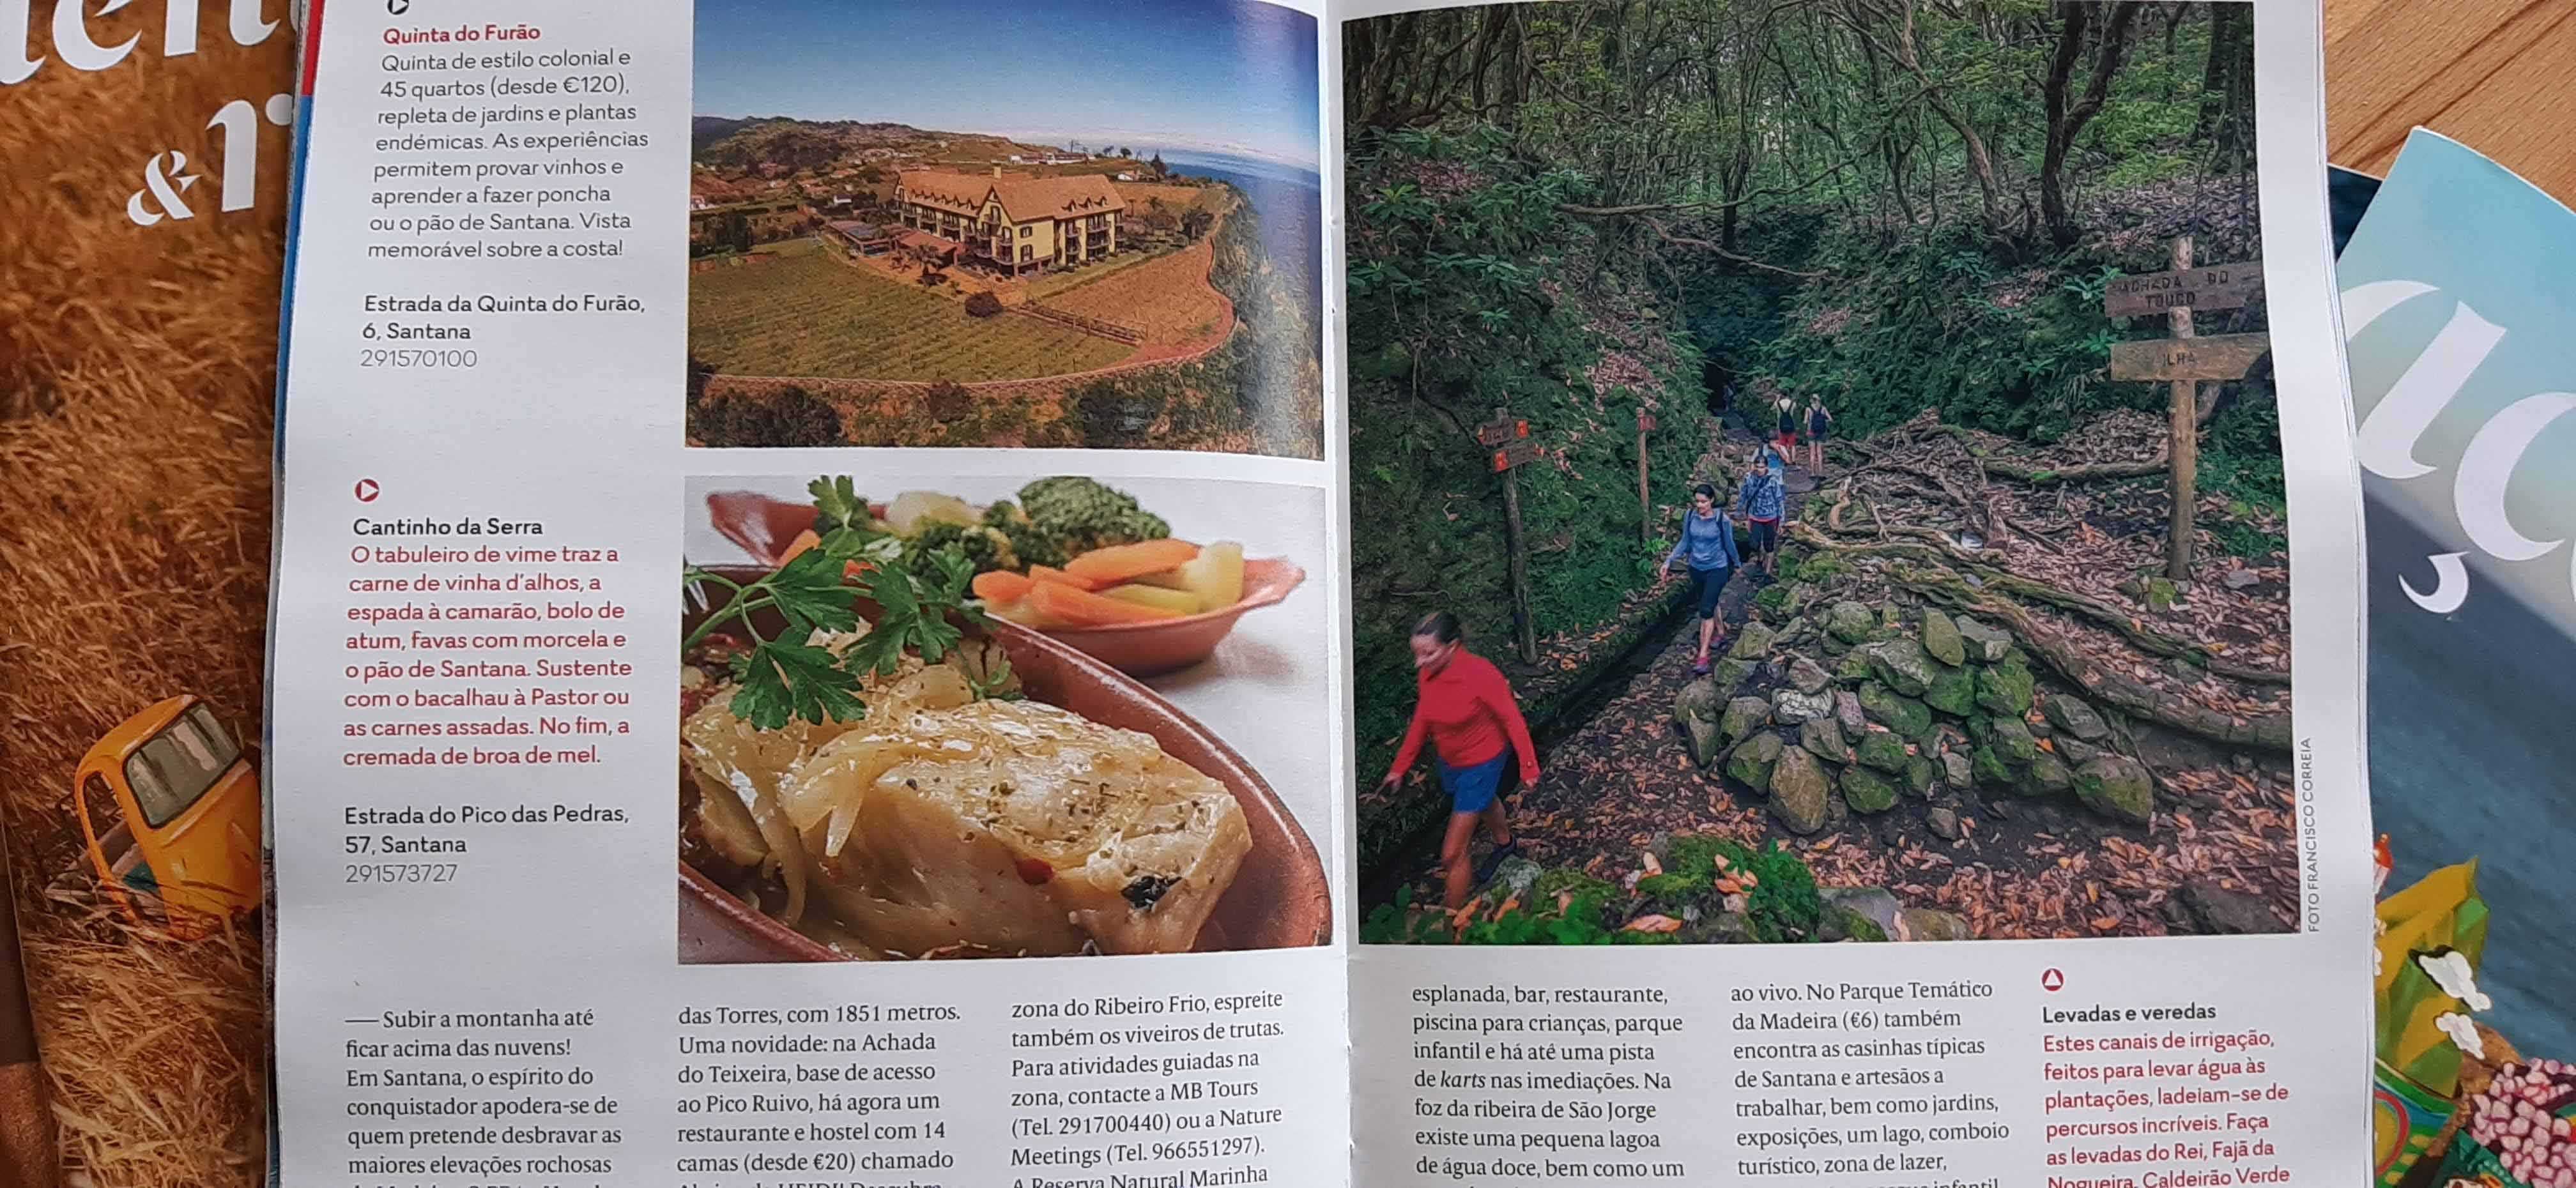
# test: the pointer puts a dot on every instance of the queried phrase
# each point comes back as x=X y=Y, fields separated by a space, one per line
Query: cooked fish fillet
x=1015 y=827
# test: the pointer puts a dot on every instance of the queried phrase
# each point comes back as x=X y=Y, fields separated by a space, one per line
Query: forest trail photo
x=1948 y=318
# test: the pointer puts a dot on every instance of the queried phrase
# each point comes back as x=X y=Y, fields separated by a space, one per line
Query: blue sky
x=1191 y=75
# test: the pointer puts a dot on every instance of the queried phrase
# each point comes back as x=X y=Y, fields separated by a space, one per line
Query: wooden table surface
x=2496 y=75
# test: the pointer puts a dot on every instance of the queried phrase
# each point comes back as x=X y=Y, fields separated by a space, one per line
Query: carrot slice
x=1117 y=563
x=1002 y=585
x=1060 y=605
x=804 y=540
x=1046 y=575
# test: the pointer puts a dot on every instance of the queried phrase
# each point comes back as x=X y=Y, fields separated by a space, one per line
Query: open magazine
x=1182 y=556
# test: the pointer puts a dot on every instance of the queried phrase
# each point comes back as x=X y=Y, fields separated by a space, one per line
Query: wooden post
x=1521 y=613
x=1645 y=501
x=2185 y=432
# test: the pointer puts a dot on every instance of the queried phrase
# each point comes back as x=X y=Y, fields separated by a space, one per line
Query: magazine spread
x=1277 y=520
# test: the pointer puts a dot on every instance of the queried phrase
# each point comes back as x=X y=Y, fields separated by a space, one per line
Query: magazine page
x=142 y=230
x=804 y=644
x=2456 y=306
x=1850 y=473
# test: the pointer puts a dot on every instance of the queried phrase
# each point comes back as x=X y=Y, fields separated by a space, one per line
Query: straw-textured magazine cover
x=142 y=230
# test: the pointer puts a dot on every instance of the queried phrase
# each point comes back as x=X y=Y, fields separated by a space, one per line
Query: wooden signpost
x=2219 y=286
x=2217 y=357
x=1645 y=501
x=2183 y=361
x=1508 y=438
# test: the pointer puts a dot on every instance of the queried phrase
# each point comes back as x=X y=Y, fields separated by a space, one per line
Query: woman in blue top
x=1708 y=544
x=1759 y=501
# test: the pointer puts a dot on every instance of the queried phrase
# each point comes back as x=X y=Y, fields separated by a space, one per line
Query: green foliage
x=1568 y=907
x=1083 y=513
x=790 y=416
x=921 y=599
x=1470 y=289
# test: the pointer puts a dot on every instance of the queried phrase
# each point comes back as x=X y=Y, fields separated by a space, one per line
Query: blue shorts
x=1471 y=789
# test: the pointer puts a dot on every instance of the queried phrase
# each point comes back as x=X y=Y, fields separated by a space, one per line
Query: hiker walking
x=1786 y=432
x=1466 y=708
x=1818 y=422
x=1759 y=501
x=1708 y=545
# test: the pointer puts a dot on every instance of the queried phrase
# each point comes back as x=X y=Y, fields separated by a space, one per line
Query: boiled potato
x=912 y=510
x=1216 y=575
x=1183 y=602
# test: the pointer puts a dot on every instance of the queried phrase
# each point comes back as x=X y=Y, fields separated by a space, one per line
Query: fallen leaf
x=1653 y=867
x=1656 y=922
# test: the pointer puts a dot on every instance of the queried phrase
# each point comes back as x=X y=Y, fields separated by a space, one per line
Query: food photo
x=982 y=717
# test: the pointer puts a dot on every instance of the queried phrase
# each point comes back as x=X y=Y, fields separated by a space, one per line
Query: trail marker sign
x=2216 y=286
x=2217 y=357
x=1516 y=450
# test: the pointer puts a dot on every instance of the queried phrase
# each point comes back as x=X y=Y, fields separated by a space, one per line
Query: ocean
x=2471 y=755
x=1290 y=201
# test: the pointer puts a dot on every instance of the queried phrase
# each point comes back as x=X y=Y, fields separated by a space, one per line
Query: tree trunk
x=2066 y=120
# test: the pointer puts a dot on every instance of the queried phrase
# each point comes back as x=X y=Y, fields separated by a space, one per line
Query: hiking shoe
x=1494 y=861
x=1699 y=668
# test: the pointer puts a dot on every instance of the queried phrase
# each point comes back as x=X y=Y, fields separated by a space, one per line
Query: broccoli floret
x=1084 y=515
x=987 y=547
x=1030 y=543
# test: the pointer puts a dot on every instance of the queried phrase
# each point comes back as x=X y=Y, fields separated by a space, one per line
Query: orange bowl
x=1279 y=898
x=765 y=527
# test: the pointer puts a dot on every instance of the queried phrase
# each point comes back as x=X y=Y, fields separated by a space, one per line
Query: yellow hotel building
x=1021 y=224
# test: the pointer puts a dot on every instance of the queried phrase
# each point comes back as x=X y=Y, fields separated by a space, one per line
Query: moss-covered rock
x=1920 y=775
x=1752 y=642
x=1799 y=791
x=1941 y=638
x=2012 y=739
x=1751 y=761
x=1867 y=791
x=1850 y=622
x=1901 y=664
x=2075 y=716
x=1932 y=924
x=2046 y=775
x=1953 y=691
x=1880 y=749
x=1989 y=768
x=1743 y=716
x=1984 y=644
x=1897 y=712
x=2118 y=787
x=1730 y=673
x=1824 y=738
x=2005 y=688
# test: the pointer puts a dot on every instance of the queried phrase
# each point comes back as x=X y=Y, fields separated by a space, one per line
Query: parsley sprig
x=782 y=677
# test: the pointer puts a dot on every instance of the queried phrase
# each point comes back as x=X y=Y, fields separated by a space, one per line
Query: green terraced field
x=807 y=314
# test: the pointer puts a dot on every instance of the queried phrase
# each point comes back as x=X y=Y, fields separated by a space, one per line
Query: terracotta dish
x=1279 y=898
x=765 y=527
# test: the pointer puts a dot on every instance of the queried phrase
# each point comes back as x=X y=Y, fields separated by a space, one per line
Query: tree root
x=2100 y=613
x=2043 y=475
x=2270 y=732
x=1944 y=584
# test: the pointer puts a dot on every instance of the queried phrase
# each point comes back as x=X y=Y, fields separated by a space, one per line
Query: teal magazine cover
x=2459 y=295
